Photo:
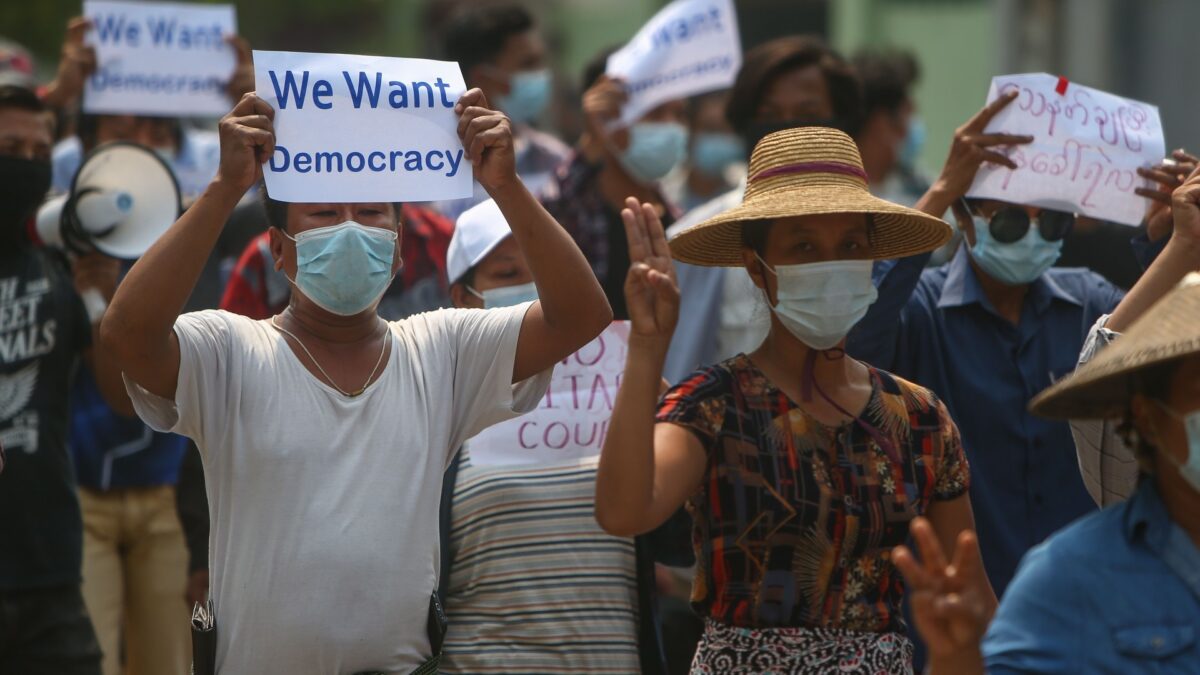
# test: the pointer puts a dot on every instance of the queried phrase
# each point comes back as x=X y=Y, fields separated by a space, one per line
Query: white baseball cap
x=479 y=230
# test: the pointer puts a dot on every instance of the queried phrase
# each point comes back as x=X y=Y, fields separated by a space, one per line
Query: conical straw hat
x=1103 y=387
x=803 y=172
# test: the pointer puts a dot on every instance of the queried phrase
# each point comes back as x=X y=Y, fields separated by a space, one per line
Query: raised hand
x=247 y=142
x=77 y=62
x=487 y=139
x=1185 y=209
x=949 y=610
x=651 y=294
x=601 y=108
x=241 y=81
x=969 y=150
x=1167 y=175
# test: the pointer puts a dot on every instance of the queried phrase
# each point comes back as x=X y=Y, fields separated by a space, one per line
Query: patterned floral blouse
x=795 y=520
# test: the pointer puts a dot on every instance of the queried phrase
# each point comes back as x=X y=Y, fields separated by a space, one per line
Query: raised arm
x=646 y=470
x=875 y=337
x=572 y=309
x=138 y=328
x=1181 y=255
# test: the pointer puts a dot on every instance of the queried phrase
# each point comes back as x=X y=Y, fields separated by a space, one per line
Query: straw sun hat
x=1102 y=387
x=805 y=172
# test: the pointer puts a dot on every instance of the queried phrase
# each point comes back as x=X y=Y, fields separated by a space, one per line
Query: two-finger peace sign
x=651 y=295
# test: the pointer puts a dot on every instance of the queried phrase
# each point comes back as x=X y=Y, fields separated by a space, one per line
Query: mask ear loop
x=809 y=382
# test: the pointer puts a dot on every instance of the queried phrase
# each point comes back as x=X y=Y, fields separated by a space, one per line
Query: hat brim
x=898 y=231
x=1103 y=387
x=1105 y=391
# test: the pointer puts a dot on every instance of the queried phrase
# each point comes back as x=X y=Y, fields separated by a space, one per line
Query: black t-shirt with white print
x=44 y=329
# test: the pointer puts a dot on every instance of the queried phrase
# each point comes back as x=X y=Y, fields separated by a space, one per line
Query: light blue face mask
x=344 y=268
x=654 y=149
x=913 y=143
x=506 y=296
x=1189 y=470
x=1017 y=263
x=528 y=95
x=714 y=152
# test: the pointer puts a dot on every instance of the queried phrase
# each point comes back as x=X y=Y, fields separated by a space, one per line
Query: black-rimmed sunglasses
x=1011 y=223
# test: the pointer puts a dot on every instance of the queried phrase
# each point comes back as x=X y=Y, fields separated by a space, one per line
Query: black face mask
x=23 y=185
x=759 y=130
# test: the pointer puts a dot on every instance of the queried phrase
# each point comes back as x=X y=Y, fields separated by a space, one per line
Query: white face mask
x=506 y=296
x=820 y=302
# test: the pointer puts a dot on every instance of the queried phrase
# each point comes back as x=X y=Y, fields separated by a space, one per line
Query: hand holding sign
x=1167 y=176
x=77 y=63
x=247 y=142
x=971 y=149
x=486 y=136
x=1087 y=148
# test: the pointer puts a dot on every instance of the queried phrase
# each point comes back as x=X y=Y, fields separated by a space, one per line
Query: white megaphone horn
x=123 y=197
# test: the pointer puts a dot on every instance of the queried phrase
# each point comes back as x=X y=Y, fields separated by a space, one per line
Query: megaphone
x=122 y=198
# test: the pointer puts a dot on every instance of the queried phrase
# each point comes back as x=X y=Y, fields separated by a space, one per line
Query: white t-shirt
x=324 y=536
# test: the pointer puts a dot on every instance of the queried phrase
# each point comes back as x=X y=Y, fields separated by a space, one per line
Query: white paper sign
x=158 y=58
x=688 y=48
x=1087 y=148
x=571 y=421
x=362 y=128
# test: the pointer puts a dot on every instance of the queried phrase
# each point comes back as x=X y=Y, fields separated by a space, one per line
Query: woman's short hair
x=768 y=61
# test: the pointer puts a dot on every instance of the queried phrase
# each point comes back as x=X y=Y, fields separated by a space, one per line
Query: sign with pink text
x=1087 y=147
x=571 y=421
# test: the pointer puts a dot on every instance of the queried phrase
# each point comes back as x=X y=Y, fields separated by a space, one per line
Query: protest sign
x=688 y=48
x=157 y=58
x=1087 y=147
x=571 y=421
x=362 y=128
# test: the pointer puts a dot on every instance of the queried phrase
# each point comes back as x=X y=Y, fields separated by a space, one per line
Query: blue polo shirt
x=1117 y=592
x=936 y=327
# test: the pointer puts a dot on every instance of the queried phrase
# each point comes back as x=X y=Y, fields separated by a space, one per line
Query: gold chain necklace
x=281 y=329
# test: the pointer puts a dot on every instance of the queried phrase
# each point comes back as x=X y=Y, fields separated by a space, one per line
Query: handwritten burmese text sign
x=572 y=420
x=158 y=58
x=1088 y=145
x=362 y=128
x=688 y=48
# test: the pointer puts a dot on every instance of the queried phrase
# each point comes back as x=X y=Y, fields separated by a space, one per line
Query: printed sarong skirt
x=726 y=650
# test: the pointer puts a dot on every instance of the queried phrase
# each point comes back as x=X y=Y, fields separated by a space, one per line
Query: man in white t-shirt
x=325 y=430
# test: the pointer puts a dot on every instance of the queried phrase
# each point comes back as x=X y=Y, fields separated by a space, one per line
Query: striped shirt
x=535 y=585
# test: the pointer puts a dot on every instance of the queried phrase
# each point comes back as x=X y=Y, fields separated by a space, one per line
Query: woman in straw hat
x=801 y=467
x=1118 y=591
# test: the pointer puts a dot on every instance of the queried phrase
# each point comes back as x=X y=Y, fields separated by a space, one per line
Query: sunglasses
x=1010 y=224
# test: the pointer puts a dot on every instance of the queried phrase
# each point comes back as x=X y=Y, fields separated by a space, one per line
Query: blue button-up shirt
x=1117 y=592
x=936 y=327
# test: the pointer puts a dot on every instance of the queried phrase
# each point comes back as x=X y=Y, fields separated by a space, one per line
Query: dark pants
x=47 y=632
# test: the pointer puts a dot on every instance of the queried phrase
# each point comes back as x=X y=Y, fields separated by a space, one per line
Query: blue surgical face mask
x=820 y=302
x=654 y=149
x=506 y=296
x=1018 y=263
x=344 y=268
x=528 y=95
x=713 y=152
x=913 y=143
x=1189 y=470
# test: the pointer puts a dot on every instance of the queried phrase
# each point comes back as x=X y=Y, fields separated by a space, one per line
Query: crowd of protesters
x=847 y=436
